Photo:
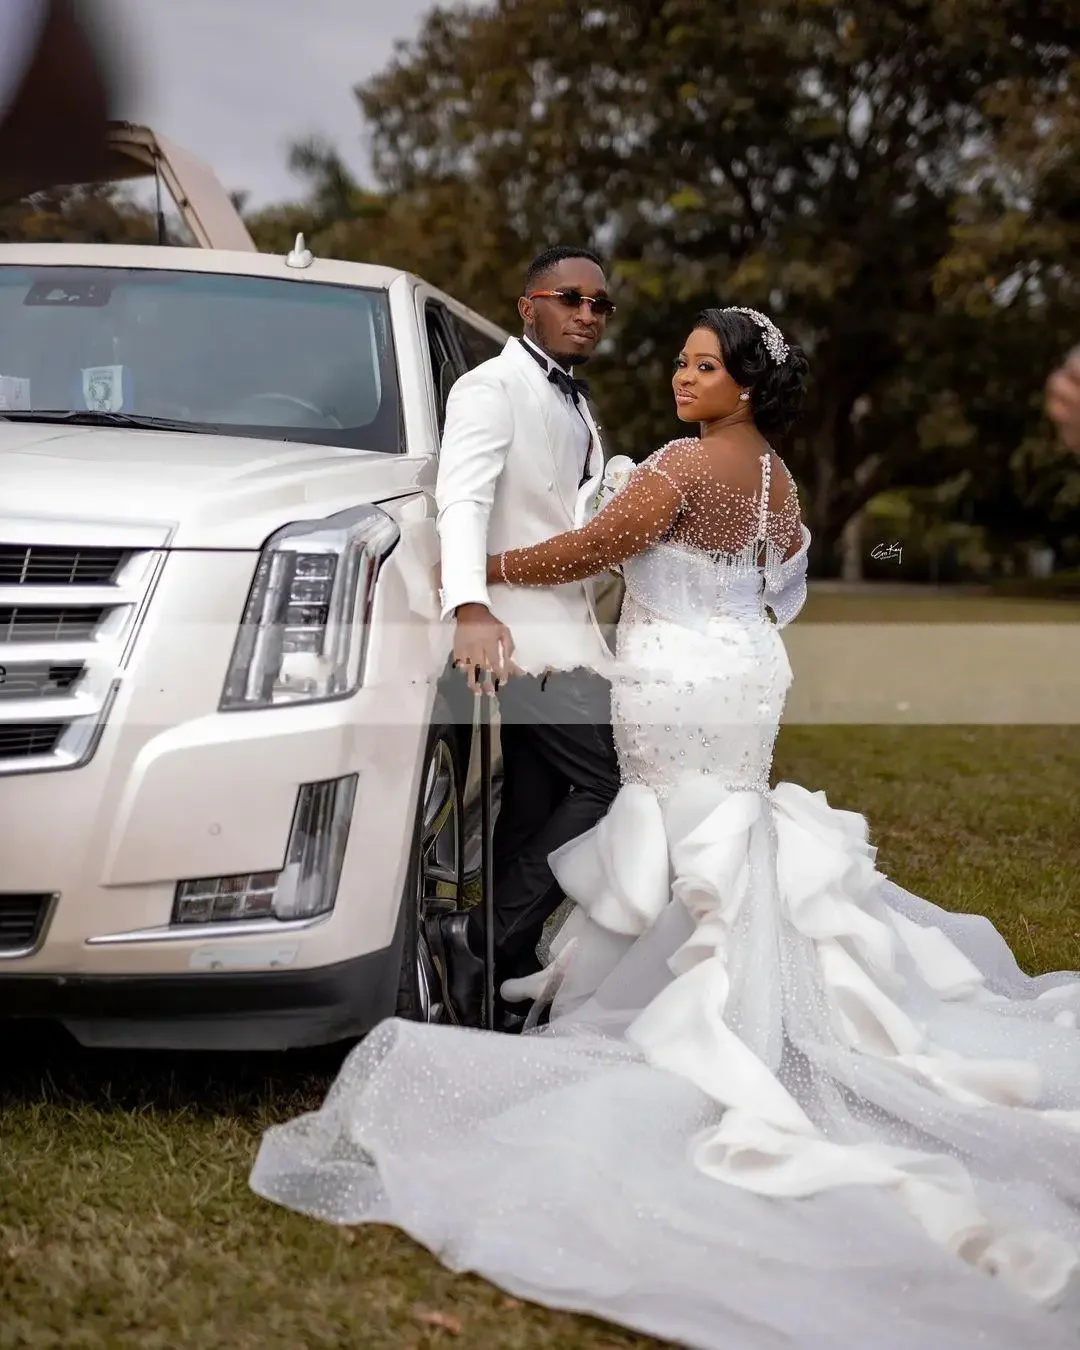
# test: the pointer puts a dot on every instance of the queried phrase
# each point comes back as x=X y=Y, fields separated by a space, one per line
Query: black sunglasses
x=573 y=299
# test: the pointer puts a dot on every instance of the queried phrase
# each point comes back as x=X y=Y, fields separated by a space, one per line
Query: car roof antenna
x=300 y=255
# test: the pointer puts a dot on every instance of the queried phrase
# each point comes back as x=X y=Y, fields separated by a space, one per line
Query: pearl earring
x=745 y=397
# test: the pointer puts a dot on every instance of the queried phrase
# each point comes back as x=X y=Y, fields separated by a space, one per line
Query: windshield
x=242 y=356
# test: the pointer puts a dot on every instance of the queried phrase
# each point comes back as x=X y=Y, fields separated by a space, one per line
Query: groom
x=519 y=445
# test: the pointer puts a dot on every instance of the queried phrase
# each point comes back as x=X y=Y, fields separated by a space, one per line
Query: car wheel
x=433 y=885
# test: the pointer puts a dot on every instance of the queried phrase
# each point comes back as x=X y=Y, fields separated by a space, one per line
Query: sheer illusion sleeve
x=639 y=516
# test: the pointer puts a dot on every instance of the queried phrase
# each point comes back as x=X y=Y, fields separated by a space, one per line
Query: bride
x=779 y=1101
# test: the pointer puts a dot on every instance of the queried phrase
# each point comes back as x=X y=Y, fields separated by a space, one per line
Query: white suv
x=231 y=785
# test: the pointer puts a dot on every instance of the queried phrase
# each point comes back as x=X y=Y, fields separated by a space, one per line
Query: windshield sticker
x=78 y=291
x=103 y=388
x=14 y=394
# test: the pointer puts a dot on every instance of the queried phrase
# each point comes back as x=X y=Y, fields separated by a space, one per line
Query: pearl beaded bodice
x=698 y=531
x=727 y=557
x=712 y=550
x=731 y=511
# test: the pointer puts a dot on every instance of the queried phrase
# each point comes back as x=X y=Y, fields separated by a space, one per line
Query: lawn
x=125 y=1218
x=868 y=605
x=905 y=659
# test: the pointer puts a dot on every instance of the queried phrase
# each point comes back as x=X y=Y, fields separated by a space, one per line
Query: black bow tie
x=562 y=379
x=568 y=384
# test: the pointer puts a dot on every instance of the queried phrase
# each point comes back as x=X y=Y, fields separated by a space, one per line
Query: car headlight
x=303 y=637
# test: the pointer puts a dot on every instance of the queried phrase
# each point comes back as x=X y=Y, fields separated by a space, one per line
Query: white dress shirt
x=581 y=432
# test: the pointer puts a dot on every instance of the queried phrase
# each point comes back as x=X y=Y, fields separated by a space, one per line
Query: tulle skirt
x=781 y=1102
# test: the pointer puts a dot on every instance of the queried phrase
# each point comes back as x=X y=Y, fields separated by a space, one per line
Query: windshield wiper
x=88 y=417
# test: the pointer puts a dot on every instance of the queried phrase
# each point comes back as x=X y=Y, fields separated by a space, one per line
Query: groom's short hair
x=544 y=262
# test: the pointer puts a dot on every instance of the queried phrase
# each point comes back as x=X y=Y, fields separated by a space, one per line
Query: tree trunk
x=851 y=549
x=818 y=511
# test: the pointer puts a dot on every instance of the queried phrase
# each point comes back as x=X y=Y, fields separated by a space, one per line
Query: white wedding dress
x=780 y=1102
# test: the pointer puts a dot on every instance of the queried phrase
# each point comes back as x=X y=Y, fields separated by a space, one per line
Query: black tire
x=434 y=881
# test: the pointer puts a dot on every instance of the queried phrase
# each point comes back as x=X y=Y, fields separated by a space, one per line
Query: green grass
x=125 y=1218
x=872 y=606
x=126 y=1221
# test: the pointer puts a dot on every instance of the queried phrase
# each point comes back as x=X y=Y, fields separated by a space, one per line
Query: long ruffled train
x=780 y=1102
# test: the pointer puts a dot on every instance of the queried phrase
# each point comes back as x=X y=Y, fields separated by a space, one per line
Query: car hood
x=197 y=491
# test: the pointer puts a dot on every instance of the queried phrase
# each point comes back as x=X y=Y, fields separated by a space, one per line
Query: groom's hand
x=482 y=643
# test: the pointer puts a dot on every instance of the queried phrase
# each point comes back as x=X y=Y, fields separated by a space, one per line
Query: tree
x=838 y=165
x=83 y=215
x=425 y=231
x=1011 y=282
x=333 y=198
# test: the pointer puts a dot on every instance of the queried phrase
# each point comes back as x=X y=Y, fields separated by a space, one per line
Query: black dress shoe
x=461 y=969
x=510 y=1023
x=511 y=1017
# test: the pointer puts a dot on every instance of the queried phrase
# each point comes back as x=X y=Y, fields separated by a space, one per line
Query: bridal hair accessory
x=745 y=396
x=770 y=334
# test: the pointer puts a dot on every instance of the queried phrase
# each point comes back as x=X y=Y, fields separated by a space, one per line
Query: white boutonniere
x=617 y=473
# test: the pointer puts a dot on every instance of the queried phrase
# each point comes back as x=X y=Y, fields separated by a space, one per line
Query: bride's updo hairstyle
x=758 y=357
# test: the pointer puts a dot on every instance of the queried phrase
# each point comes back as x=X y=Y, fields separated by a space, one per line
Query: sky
x=235 y=81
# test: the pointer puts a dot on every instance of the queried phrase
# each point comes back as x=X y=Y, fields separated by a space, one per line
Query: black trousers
x=560 y=775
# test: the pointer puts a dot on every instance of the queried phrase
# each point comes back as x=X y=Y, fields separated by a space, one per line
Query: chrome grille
x=21 y=919
x=27 y=740
x=49 y=623
x=68 y=610
x=39 y=679
x=51 y=565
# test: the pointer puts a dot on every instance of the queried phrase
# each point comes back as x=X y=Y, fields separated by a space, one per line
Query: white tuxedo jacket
x=509 y=476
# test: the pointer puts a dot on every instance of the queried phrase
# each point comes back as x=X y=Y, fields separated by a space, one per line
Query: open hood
x=204 y=205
